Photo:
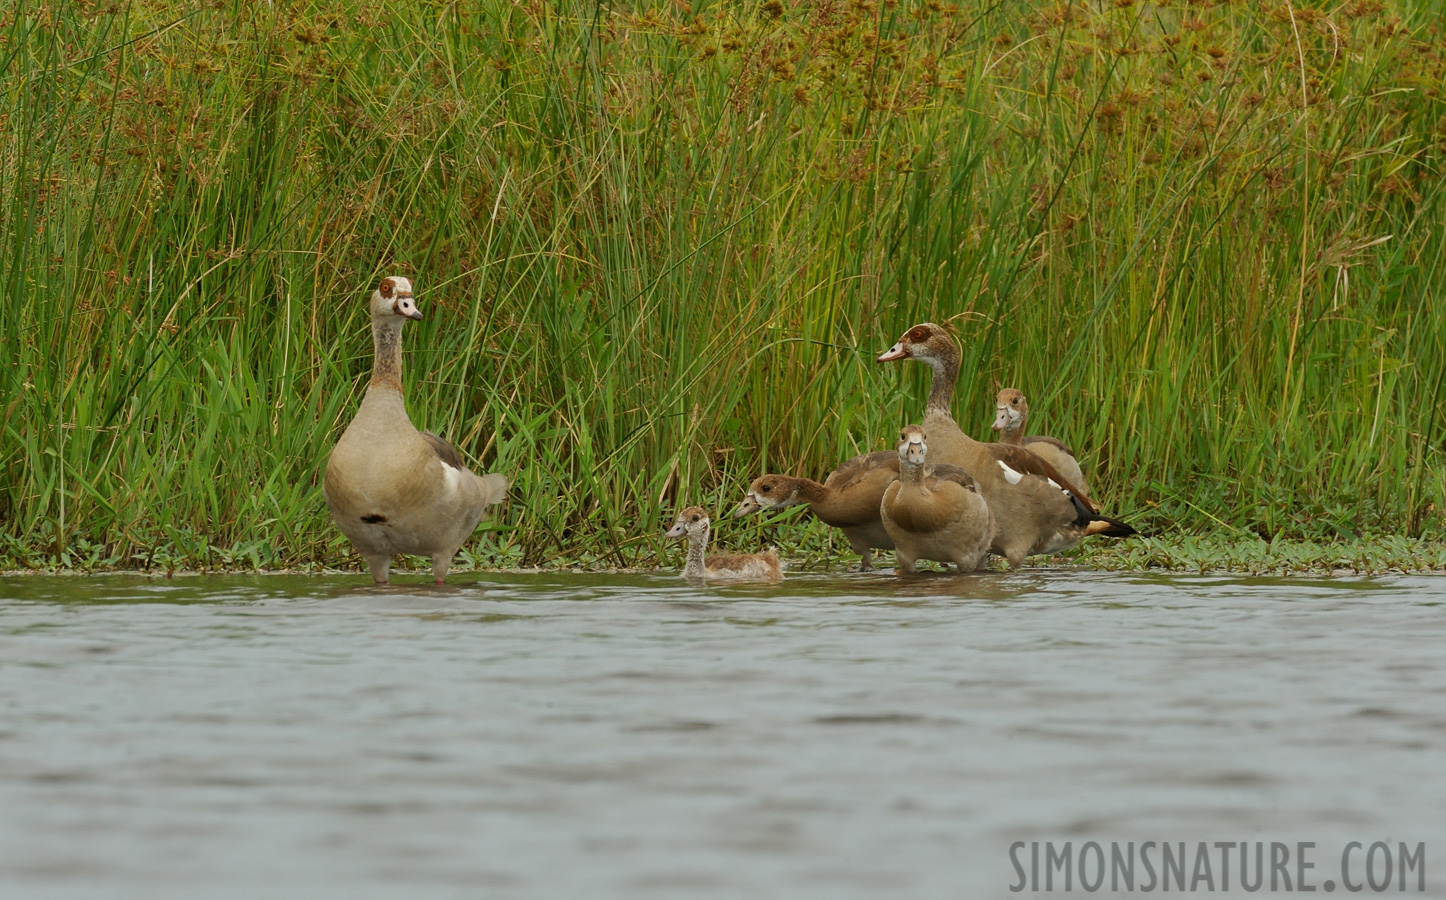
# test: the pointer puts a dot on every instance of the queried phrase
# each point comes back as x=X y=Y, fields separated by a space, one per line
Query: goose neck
x=946 y=376
x=387 y=353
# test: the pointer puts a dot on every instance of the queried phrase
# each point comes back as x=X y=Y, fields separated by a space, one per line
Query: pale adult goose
x=935 y=513
x=847 y=500
x=1036 y=509
x=692 y=523
x=391 y=488
x=1011 y=415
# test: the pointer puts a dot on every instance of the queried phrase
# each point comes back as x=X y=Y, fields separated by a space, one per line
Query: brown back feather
x=739 y=562
x=854 y=470
x=1053 y=442
x=946 y=472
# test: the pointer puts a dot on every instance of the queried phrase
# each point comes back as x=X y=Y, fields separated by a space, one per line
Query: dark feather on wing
x=1029 y=463
x=444 y=451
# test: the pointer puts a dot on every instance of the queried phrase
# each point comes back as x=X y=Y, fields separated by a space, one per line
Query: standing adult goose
x=847 y=500
x=1011 y=414
x=692 y=523
x=1036 y=509
x=391 y=488
x=935 y=514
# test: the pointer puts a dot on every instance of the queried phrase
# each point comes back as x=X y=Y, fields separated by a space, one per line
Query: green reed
x=658 y=248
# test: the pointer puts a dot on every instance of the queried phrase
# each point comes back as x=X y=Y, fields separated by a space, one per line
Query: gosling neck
x=1014 y=434
x=387 y=353
x=911 y=474
x=806 y=490
x=697 y=545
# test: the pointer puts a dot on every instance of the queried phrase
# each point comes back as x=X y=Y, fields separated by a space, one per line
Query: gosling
x=692 y=523
x=937 y=513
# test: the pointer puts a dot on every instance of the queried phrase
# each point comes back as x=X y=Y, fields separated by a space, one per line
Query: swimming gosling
x=692 y=523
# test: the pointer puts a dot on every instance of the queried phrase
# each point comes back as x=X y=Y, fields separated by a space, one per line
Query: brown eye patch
x=386 y=287
x=919 y=334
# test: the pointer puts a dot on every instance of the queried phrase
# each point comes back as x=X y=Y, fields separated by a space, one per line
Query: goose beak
x=898 y=351
x=1001 y=418
x=405 y=307
x=747 y=507
x=678 y=530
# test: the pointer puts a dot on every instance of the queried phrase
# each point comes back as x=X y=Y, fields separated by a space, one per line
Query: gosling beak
x=1001 y=419
x=747 y=507
x=898 y=351
x=678 y=530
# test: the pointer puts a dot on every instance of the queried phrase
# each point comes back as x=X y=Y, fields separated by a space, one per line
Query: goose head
x=1010 y=408
x=928 y=343
x=393 y=297
x=912 y=448
x=768 y=492
x=691 y=523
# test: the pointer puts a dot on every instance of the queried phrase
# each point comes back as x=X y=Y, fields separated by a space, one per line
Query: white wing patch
x=451 y=479
x=1010 y=475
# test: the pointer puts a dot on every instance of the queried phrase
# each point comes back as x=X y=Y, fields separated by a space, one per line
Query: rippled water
x=629 y=736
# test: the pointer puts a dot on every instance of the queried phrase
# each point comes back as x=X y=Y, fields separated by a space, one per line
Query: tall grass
x=658 y=245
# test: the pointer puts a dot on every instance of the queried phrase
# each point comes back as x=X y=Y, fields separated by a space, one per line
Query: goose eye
x=386 y=289
x=766 y=488
x=694 y=519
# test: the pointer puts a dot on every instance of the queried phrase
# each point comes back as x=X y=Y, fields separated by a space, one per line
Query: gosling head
x=691 y=523
x=393 y=297
x=912 y=448
x=1010 y=408
x=926 y=342
x=767 y=492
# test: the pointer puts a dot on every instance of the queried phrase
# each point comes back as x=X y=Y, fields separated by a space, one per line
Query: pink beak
x=898 y=351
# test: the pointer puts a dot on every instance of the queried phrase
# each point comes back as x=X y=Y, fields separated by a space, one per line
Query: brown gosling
x=935 y=513
x=847 y=500
x=692 y=523
x=1011 y=415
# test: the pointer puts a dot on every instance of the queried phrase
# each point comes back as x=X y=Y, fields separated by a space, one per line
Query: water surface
x=579 y=736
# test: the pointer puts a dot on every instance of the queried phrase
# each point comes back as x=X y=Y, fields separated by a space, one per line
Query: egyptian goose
x=1036 y=509
x=1011 y=414
x=692 y=523
x=847 y=500
x=391 y=488
x=935 y=513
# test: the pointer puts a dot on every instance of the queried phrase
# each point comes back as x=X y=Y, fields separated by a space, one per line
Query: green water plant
x=661 y=245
